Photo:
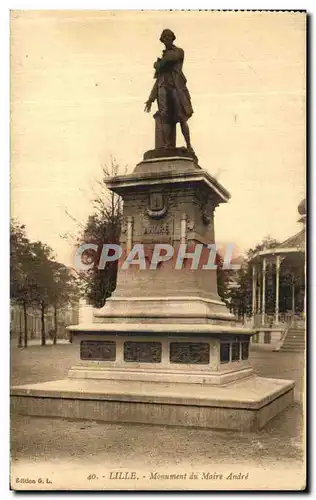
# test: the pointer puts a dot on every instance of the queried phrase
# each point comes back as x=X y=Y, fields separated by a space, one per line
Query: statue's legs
x=165 y=106
x=168 y=133
x=186 y=134
x=169 y=111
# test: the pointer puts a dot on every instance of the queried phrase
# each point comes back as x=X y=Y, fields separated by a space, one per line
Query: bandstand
x=278 y=291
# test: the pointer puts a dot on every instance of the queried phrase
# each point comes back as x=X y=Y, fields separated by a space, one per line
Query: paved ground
x=40 y=440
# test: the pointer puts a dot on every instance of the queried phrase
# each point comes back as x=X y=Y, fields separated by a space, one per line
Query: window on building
x=235 y=351
x=245 y=350
x=224 y=352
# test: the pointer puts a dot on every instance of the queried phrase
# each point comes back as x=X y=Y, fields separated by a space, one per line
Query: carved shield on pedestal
x=156 y=201
x=157 y=206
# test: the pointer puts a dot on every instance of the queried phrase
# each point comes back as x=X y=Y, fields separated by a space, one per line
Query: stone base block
x=167 y=154
x=173 y=310
x=151 y=375
x=245 y=405
x=158 y=355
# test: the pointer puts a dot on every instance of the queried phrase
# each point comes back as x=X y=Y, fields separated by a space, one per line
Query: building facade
x=67 y=315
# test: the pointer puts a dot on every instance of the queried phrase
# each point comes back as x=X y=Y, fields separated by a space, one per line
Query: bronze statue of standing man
x=170 y=91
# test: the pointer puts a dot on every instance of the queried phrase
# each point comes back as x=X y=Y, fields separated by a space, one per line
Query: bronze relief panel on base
x=196 y=353
x=142 y=352
x=98 y=350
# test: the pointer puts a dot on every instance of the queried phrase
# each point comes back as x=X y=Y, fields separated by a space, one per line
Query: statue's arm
x=170 y=56
x=152 y=97
x=154 y=92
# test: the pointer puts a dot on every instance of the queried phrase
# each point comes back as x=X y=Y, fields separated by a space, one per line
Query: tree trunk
x=55 y=325
x=25 y=323
x=43 y=324
x=32 y=326
x=20 y=331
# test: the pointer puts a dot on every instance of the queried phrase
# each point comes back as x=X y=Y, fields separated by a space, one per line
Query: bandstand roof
x=292 y=245
x=296 y=241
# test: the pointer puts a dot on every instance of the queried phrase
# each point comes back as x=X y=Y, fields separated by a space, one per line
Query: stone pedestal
x=167 y=201
x=165 y=334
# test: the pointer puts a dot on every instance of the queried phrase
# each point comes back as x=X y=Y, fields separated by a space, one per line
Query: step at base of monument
x=245 y=405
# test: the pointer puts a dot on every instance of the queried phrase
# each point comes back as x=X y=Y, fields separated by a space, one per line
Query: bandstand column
x=305 y=287
x=254 y=287
x=264 y=263
x=259 y=290
x=293 y=295
x=277 y=288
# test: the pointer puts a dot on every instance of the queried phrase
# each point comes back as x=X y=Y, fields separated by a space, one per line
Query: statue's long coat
x=170 y=90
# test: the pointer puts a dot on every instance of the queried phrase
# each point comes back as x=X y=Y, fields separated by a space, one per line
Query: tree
x=266 y=243
x=42 y=279
x=64 y=290
x=55 y=285
x=223 y=279
x=102 y=227
x=22 y=287
x=18 y=242
x=240 y=294
x=36 y=278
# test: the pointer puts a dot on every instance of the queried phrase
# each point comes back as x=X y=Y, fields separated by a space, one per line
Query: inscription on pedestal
x=190 y=353
x=142 y=352
x=98 y=350
x=158 y=229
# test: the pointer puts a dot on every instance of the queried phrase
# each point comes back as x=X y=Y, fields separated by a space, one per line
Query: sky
x=79 y=80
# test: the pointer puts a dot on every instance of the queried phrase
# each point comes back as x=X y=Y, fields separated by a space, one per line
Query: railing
x=268 y=320
x=283 y=335
x=286 y=320
x=293 y=320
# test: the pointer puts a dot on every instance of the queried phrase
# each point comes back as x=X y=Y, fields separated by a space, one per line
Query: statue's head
x=167 y=37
